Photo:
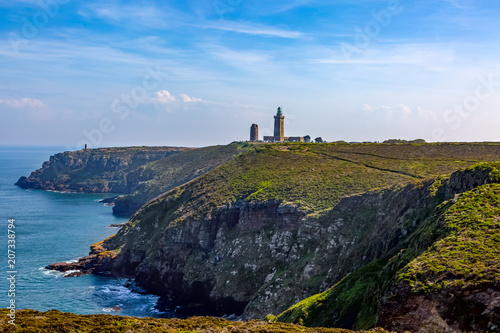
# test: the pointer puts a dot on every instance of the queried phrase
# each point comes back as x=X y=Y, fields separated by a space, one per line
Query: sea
x=54 y=227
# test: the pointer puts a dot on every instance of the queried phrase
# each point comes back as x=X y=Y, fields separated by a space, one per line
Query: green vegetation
x=456 y=248
x=56 y=321
x=354 y=298
x=317 y=176
x=468 y=256
x=395 y=141
x=158 y=177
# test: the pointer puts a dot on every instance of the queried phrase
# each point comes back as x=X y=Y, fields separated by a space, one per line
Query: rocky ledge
x=96 y=262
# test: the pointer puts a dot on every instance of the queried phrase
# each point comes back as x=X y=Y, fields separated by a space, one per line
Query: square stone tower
x=279 y=125
x=254 y=132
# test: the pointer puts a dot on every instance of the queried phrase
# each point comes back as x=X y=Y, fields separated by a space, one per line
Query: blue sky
x=197 y=73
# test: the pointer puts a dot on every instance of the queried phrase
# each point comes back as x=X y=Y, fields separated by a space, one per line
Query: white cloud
x=23 y=102
x=164 y=97
x=426 y=113
x=188 y=99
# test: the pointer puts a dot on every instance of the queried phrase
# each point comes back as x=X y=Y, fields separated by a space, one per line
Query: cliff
x=444 y=277
x=138 y=173
x=101 y=170
x=280 y=223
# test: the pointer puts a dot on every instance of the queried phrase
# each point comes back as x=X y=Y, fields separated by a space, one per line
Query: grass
x=348 y=304
x=317 y=176
x=158 y=177
x=468 y=256
x=56 y=321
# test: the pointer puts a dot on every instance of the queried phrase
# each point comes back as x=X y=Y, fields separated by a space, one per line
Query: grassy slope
x=468 y=255
x=457 y=248
x=56 y=321
x=165 y=174
x=317 y=176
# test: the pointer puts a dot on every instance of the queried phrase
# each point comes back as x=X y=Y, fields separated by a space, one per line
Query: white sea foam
x=52 y=273
x=71 y=272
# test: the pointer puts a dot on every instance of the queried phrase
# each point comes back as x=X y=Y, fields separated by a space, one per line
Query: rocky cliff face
x=470 y=309
x=102 y=170
x=454 y=285
x=252 y=259
x=442 y=278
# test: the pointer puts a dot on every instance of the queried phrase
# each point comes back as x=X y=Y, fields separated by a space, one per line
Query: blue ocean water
x=53 y=227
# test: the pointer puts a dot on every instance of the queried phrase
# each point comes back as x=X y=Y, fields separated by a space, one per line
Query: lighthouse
x=279 y=126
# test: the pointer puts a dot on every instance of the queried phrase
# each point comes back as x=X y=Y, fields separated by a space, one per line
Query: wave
x=71 y=272
x=57 y=274
x=49 y=272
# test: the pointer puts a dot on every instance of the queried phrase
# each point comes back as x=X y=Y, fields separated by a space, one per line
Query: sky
x=199 y=73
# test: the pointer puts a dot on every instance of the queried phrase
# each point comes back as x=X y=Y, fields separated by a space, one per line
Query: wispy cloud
x=134 y=15
x=23 y=102
x=290 y=5
x=431 y=56
x=253 y=61
x=50 y=50
x=252 y=29
x=460 y=4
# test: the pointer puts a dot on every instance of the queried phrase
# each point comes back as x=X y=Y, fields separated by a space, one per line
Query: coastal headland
x=355 y=236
